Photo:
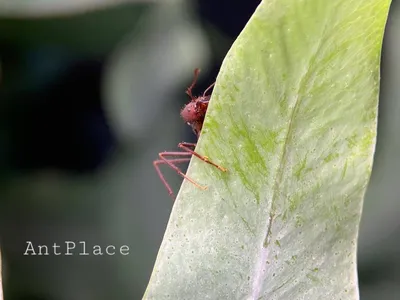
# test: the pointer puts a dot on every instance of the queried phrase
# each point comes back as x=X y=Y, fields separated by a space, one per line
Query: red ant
x=193 y=114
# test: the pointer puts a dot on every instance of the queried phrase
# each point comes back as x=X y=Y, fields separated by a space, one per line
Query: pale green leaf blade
x=293 y=118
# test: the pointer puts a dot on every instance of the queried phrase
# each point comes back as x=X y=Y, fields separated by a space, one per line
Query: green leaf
x=293 y=118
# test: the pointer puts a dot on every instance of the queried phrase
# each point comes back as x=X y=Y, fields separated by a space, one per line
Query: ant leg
x=185 y=146
x=205 y=92
x=156 y=164
x=189 y=89
x=167 y=161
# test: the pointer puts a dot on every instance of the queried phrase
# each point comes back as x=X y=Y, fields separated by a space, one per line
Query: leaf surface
x=293 y=118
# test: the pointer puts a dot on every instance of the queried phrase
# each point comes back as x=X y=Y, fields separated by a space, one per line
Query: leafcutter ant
x=193 y=114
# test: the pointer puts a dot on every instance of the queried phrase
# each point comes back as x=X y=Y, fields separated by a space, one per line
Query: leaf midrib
x=258 y=279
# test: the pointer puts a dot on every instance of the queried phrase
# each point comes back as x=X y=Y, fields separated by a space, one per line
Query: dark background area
x=89 y=96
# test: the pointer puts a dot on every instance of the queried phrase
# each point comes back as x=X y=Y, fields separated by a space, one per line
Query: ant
x=193 y=114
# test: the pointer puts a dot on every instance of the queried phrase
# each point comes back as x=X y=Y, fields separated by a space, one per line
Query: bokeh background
x=90 y=92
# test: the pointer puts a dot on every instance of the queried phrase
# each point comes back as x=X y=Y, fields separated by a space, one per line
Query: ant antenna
x=208 y=89
x=189 y=89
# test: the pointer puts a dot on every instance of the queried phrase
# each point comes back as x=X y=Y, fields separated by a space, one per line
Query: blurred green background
x=90 y=92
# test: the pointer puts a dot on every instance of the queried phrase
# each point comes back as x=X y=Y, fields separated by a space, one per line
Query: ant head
x=189 y=112
x=195 y=110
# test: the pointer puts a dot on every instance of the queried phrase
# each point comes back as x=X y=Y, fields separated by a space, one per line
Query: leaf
x=293 y=118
